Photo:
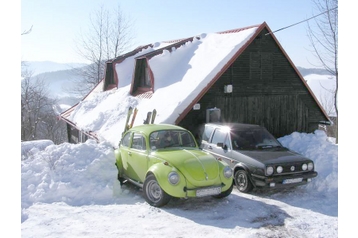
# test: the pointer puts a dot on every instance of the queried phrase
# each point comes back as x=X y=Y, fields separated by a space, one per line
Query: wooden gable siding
x=266 y=91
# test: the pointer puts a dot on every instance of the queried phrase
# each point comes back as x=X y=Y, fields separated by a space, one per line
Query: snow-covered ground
x=70 y=190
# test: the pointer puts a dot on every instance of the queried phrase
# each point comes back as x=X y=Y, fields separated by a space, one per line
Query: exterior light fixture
x=228 y=88
x=196 y=106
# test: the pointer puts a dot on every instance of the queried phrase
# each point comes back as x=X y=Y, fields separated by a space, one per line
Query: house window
x=142 y=81
x=74 y=134
x=145 y=80
x=82 y=137
x=109 y=81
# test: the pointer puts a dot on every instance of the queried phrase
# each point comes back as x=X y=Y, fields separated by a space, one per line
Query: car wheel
x=153 y=193
x=225 y=193
x=242 y=181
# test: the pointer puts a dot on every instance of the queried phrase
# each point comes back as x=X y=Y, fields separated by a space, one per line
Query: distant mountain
x=59 y=85
x=38 y=67
x=60 y=79
x=60 y=82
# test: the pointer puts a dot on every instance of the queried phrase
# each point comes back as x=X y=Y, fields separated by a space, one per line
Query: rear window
x=207 y=133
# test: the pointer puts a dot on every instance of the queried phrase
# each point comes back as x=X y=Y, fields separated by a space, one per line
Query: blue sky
x=57 y=24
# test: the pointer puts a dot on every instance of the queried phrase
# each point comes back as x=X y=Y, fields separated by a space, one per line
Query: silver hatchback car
x=257 y=158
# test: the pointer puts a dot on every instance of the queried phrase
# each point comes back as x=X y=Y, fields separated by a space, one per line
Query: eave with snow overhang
x=267 y=87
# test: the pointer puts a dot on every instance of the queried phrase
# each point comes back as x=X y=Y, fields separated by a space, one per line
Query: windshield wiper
x=263 y=147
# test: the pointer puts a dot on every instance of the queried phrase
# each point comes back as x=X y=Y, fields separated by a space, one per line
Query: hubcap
x=154 y=191
x=241 y=179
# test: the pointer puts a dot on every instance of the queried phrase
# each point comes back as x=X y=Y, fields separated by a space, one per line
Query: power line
x=300 y=21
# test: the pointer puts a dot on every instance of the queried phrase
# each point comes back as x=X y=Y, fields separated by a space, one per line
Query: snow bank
x=32 y=147
x=76 y=174
x=81 y=174
x=318 y=147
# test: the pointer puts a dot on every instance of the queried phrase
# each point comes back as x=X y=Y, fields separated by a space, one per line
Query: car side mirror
x=222 y=145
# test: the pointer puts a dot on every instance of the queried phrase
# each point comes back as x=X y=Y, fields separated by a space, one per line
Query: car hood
x=196 y=165
x=269 y=156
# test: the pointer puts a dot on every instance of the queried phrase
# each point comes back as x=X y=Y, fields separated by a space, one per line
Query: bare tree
x=323 y=35
x=108 y=36
x=328 y=103
x=327 y=100
x=38 y=119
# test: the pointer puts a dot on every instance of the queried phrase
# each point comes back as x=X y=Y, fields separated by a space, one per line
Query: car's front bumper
x=283 y=180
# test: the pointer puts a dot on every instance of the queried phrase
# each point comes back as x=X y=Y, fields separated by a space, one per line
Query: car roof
x=233 y=125
x=148 y=128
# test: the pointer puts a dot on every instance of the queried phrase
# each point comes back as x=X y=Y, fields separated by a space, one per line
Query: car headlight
x=269 y=170
x=227 y=172
x=279 y=169
x=310 y=166
x=173 y=178
x=304 y=167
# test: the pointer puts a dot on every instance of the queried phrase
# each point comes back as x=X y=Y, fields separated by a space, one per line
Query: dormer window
x=109 y=81
x=142 y=79
x=145 y=79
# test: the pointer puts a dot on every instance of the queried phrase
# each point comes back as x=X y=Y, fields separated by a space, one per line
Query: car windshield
x=171 y=138
x=251 y=139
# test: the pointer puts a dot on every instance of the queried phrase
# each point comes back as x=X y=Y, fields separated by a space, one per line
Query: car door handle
x=210 y=147
x=129 y=153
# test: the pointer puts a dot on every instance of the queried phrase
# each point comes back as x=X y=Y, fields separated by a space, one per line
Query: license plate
x=208 y=191
x=294 y=180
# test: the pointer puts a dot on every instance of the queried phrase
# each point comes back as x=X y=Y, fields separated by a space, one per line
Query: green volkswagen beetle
x=165 y=161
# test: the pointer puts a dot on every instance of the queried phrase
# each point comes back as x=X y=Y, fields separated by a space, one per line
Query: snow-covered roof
x=180 y=74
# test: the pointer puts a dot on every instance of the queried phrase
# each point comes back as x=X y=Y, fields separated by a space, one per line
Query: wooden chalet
x=257 y=84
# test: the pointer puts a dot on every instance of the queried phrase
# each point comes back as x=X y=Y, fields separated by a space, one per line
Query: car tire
x=242 y=181
x=225 y=193
x=153 y=193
